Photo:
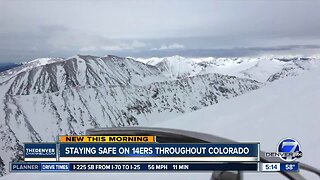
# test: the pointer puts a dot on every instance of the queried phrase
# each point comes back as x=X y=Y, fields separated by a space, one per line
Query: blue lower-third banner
x=150 y=152
x=101 y=167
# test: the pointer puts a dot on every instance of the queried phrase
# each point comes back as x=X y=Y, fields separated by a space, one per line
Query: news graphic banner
x=107 y=139
x=109 y=153
x=158 y=152
x=146 y=167
x=114 y=166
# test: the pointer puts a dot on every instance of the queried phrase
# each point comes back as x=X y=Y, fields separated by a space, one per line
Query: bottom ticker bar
x=100 y=167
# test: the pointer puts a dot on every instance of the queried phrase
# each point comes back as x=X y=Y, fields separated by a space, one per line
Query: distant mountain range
x=50 y=96
x=6 y=66
x=263 y=69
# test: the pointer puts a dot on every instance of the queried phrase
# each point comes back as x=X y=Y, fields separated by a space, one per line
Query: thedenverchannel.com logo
x=288 y=149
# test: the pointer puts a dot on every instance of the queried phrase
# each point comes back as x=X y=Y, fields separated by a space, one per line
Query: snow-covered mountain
x=50 y=96
x=263 y=69
x=68 y=96
x=78 y=71
x=4 y=75
x=285 y=108
x=278 y=109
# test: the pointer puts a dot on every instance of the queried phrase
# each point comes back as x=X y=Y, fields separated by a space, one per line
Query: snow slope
x=82 y=92
x=5 y=75
x=286 y=108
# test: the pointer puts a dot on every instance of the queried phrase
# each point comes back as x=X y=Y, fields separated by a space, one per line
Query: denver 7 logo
x=289 y=149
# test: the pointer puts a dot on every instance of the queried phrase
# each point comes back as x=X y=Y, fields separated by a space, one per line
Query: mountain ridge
x=257 y=68
x=285 y=108
x=41 y=100
x=70 y=96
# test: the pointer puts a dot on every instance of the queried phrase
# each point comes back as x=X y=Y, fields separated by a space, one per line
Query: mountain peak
x=43 y=61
